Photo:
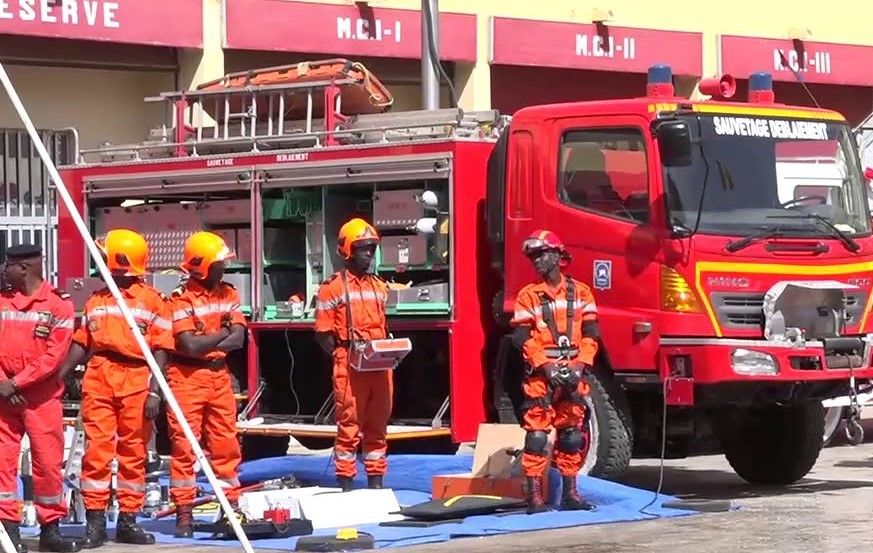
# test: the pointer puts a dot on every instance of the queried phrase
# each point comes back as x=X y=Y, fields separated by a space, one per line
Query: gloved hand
x=557 y=375
x=152 y=406
x=576 y=372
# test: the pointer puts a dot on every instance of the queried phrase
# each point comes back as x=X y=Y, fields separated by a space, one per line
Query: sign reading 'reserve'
x=585 y=46
x=175 y=23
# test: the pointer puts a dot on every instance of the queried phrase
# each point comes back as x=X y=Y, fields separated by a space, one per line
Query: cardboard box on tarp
x=496 y=467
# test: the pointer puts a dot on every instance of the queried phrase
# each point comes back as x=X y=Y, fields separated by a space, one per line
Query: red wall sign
x=345 y=30
x=816 y=62
x=175 y=23
x=587 y=46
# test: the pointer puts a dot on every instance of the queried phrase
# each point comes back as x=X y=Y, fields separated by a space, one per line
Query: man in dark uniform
x=36 y=327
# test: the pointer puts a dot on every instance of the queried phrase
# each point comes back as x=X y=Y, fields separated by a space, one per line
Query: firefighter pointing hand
x=350 y=311
x=556 y=329
x=119 y=395
x=207 y=324
x=36 y=326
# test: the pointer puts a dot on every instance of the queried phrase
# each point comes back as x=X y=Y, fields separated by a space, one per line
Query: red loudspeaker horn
x=868 y=173
x=718 y=87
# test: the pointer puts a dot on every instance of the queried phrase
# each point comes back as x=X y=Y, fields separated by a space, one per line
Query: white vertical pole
x=128 y=317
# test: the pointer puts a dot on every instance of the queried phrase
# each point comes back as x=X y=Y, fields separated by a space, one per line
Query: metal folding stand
x=73 y=211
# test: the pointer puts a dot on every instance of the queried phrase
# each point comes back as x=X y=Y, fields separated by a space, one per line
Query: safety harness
x=564 y=350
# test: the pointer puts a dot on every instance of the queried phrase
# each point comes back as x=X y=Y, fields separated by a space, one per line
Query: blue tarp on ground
x=410 y=478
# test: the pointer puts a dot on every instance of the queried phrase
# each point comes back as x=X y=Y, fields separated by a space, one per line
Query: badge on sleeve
x=43 y=326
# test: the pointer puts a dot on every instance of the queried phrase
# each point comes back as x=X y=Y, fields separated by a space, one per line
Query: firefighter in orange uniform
x=555 y=324
x=36 y=326
x=207 y=324
x=120 y=398
x=351 y=308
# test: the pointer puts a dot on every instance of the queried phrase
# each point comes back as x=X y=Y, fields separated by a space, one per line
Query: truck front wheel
x=609 y=428
x=774 y=444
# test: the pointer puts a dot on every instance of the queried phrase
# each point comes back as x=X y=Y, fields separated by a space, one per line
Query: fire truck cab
x=732 y=299
x=728 y=246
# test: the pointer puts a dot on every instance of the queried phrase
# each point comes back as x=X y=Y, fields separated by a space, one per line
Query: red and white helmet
x=542 y=240
x=545 y=240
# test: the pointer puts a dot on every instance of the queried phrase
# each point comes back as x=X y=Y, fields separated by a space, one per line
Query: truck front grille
x=742 y=311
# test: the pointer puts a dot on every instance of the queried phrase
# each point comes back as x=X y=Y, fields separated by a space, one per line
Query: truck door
x=603 y=208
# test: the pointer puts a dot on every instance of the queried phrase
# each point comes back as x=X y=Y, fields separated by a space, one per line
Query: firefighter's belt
x=211 y=364
x=557 y=353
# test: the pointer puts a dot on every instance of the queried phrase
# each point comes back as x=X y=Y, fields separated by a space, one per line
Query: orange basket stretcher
x=359 y=90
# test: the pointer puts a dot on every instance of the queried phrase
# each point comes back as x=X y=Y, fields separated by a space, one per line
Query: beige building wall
x=837 y=21
x=104 y=105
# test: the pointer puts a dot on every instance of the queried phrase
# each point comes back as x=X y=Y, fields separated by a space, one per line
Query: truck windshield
x=764 y=172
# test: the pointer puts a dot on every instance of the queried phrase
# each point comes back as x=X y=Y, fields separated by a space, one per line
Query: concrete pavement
x=829 y=511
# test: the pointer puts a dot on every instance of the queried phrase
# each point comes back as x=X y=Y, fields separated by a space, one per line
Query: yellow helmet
x=355 y=232
x=126 y=252
x=202 y=250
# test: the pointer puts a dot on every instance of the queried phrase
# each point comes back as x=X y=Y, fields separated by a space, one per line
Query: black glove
x=576 y=372
x=227 y=320
x=557 y=375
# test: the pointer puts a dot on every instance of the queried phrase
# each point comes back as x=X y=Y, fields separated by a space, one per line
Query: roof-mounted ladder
x=251 y=129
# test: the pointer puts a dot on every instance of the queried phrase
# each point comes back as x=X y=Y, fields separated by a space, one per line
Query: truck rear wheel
x=609 y=429
x=775 y=444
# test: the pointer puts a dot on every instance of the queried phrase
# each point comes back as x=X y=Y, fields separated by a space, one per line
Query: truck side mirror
x=674 y=143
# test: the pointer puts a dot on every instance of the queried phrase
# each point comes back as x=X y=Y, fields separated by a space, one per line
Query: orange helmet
x=202 y=250
x=541 y=240
x=126 y=252
x=356 y=232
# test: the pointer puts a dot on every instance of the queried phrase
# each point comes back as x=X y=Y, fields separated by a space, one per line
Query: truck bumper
x=723 y=360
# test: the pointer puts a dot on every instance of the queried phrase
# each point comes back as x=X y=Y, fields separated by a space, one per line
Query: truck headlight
x=746 y=361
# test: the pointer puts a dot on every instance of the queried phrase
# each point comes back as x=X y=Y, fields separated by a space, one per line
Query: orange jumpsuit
x=114 y=391
x=545 y=311
x=363 y=399
x=204 y=389
x=35 y=333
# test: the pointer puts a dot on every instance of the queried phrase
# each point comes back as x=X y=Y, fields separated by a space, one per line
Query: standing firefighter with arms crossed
x=556 y=329
x=36 y=327
x=119 y=396
x=351 y=308
x=207 y=324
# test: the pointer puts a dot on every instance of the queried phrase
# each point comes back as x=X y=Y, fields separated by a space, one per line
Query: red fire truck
x=728 y=245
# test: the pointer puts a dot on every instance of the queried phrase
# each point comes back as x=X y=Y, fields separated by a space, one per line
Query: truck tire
x=775 y=444
x=833 y=419
x=609 y=429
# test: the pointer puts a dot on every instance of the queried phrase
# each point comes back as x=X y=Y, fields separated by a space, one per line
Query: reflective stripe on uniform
x=374 y=455
x=48 y=499
x=525 y=314
x=7 y=496
x=203 y=310
x=122 y=485
x=353 y=296
x=33 y=316
x=182 y=483
x=93 y=485
x=344 y=455
x=105 y=310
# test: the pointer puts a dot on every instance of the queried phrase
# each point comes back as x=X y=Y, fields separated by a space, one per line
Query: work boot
x=374 y=481
x=128 y=531
x=12 y=529
x=346 y=483
x=184 y=521
x=535 y=501
x=50 y=539
x=570 y=500
x=95 y=529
